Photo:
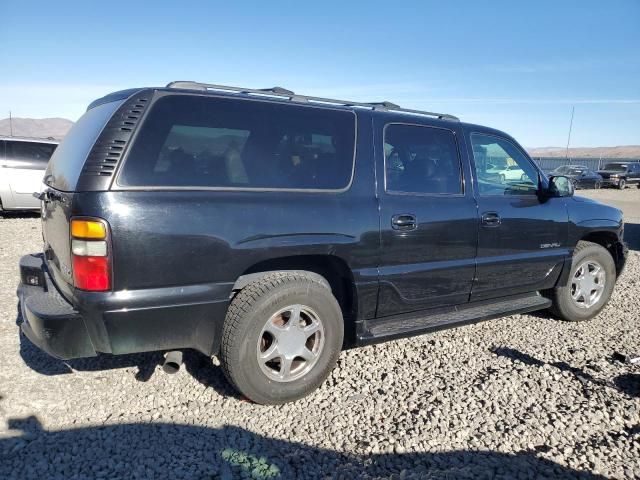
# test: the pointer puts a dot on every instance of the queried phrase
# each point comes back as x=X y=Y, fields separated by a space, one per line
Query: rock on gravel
x=521 y=397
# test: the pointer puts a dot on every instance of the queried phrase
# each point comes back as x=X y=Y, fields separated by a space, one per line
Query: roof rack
x=283 y=93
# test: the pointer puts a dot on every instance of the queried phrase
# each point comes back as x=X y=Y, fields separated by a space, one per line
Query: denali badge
x=549 y=245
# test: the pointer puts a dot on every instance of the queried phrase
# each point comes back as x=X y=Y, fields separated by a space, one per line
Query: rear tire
x=263 y=347
x=590 y=284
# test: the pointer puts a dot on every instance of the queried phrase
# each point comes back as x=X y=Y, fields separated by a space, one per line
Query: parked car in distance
x=580 y=176
x=620 y=174
x=507 y=173
x=274 y=229
x=22 y=165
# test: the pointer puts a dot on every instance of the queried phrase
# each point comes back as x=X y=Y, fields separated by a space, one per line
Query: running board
x=417 y=323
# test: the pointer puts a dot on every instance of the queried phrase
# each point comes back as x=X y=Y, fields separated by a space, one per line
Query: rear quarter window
x=67 y=161
x=201 y=142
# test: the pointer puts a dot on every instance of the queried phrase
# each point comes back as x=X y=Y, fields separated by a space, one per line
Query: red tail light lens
x=91 y=273
x=90 y=252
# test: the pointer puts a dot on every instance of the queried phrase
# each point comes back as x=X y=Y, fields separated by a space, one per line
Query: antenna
x=573 y=109
x=10 y=125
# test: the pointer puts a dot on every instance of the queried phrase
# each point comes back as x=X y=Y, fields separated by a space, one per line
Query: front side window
x=29 y=155
x=421 y=159
x=191 y=141
x=501 y=168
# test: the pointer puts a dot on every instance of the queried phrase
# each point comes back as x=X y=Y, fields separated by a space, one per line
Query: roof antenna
x=573 y=109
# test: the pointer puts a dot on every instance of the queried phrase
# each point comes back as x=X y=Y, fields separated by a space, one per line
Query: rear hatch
x=82 y=163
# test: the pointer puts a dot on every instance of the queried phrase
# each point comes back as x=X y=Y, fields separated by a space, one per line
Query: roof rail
x=283 y=93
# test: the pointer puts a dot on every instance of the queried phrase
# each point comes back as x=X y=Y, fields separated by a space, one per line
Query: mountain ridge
x=58 y=128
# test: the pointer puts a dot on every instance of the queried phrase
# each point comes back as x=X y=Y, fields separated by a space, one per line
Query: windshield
x=569 y=170
x=615 y=167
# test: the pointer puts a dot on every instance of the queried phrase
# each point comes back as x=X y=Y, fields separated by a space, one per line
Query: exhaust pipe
x=172 y=362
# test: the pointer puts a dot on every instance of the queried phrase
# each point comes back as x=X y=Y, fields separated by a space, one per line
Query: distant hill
x=58 y=128
x=36 y=127
x=626 y=151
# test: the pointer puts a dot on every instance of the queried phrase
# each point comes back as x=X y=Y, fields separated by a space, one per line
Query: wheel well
x=610 y=241
x=334 y=270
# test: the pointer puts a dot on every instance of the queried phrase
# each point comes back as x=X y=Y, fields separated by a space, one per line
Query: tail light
x=90 y=255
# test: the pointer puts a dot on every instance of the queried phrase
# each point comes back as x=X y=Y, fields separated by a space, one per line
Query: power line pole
x=573 y=109
x=10 y=125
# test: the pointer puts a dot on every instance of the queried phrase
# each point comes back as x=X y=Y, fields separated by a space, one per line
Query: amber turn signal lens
x=88 y=229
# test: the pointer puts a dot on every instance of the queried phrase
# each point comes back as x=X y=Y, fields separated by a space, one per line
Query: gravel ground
x=521 y=397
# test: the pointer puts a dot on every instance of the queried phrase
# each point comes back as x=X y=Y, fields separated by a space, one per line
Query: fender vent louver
x=111 y=144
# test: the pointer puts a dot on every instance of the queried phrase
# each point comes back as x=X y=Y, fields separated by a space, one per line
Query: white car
x=23 y=162
x=508 y=173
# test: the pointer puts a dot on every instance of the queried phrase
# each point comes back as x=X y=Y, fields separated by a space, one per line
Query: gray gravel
x=521 y=397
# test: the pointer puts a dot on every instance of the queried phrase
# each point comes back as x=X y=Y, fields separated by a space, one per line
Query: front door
x=429 y=222
x=522 y=239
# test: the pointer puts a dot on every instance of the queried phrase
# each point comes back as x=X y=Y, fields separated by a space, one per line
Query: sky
x=516 y=66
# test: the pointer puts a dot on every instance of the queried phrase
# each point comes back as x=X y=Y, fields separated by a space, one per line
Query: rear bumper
x=48 y=320
x=119 y=322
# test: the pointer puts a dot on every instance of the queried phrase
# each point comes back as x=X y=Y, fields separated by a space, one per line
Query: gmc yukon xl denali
x=273 y=229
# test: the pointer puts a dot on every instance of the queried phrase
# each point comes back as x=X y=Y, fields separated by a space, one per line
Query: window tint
x=29 y=155
x=421 y=160
x=501 y=168
x=189 y=141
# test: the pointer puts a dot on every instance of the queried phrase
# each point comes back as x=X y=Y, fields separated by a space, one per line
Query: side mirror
x=560 y=186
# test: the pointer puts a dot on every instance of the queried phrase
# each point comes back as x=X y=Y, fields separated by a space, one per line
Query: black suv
x=621 y=174
x=274 y=229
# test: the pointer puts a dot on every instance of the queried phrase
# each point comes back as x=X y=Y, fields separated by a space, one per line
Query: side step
x=417 y=323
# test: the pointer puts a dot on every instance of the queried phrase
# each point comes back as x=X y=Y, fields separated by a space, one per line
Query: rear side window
x=67 y=161
x=421 y=160
x=195 y=141
x=29 y=155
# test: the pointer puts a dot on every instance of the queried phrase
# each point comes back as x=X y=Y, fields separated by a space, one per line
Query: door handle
x=491 y=219
x=404 y=221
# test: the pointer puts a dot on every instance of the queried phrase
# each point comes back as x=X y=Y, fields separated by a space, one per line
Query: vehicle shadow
x=628 y=384
x=632 y=235
x=167 y=450
x=18 y=214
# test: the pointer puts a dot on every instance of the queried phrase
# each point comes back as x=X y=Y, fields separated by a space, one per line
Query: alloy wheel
x=290 y=343
x=587 y=284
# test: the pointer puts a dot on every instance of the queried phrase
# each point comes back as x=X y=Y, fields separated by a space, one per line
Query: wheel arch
x=331 y=270
x=611 y=242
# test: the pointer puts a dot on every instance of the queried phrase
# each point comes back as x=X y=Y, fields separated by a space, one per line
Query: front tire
x=590 y=284
x=622 y=184
x=281 y=337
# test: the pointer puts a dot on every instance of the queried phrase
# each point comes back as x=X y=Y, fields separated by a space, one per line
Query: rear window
x=195 y=141
x=67 y=161
x=29 y=155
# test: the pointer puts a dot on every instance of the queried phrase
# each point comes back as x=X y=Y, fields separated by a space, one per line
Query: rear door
x=522 y=240
x=26 y=162
x=428 y=217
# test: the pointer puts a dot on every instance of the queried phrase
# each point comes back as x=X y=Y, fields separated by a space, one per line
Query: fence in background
x=551 y=163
